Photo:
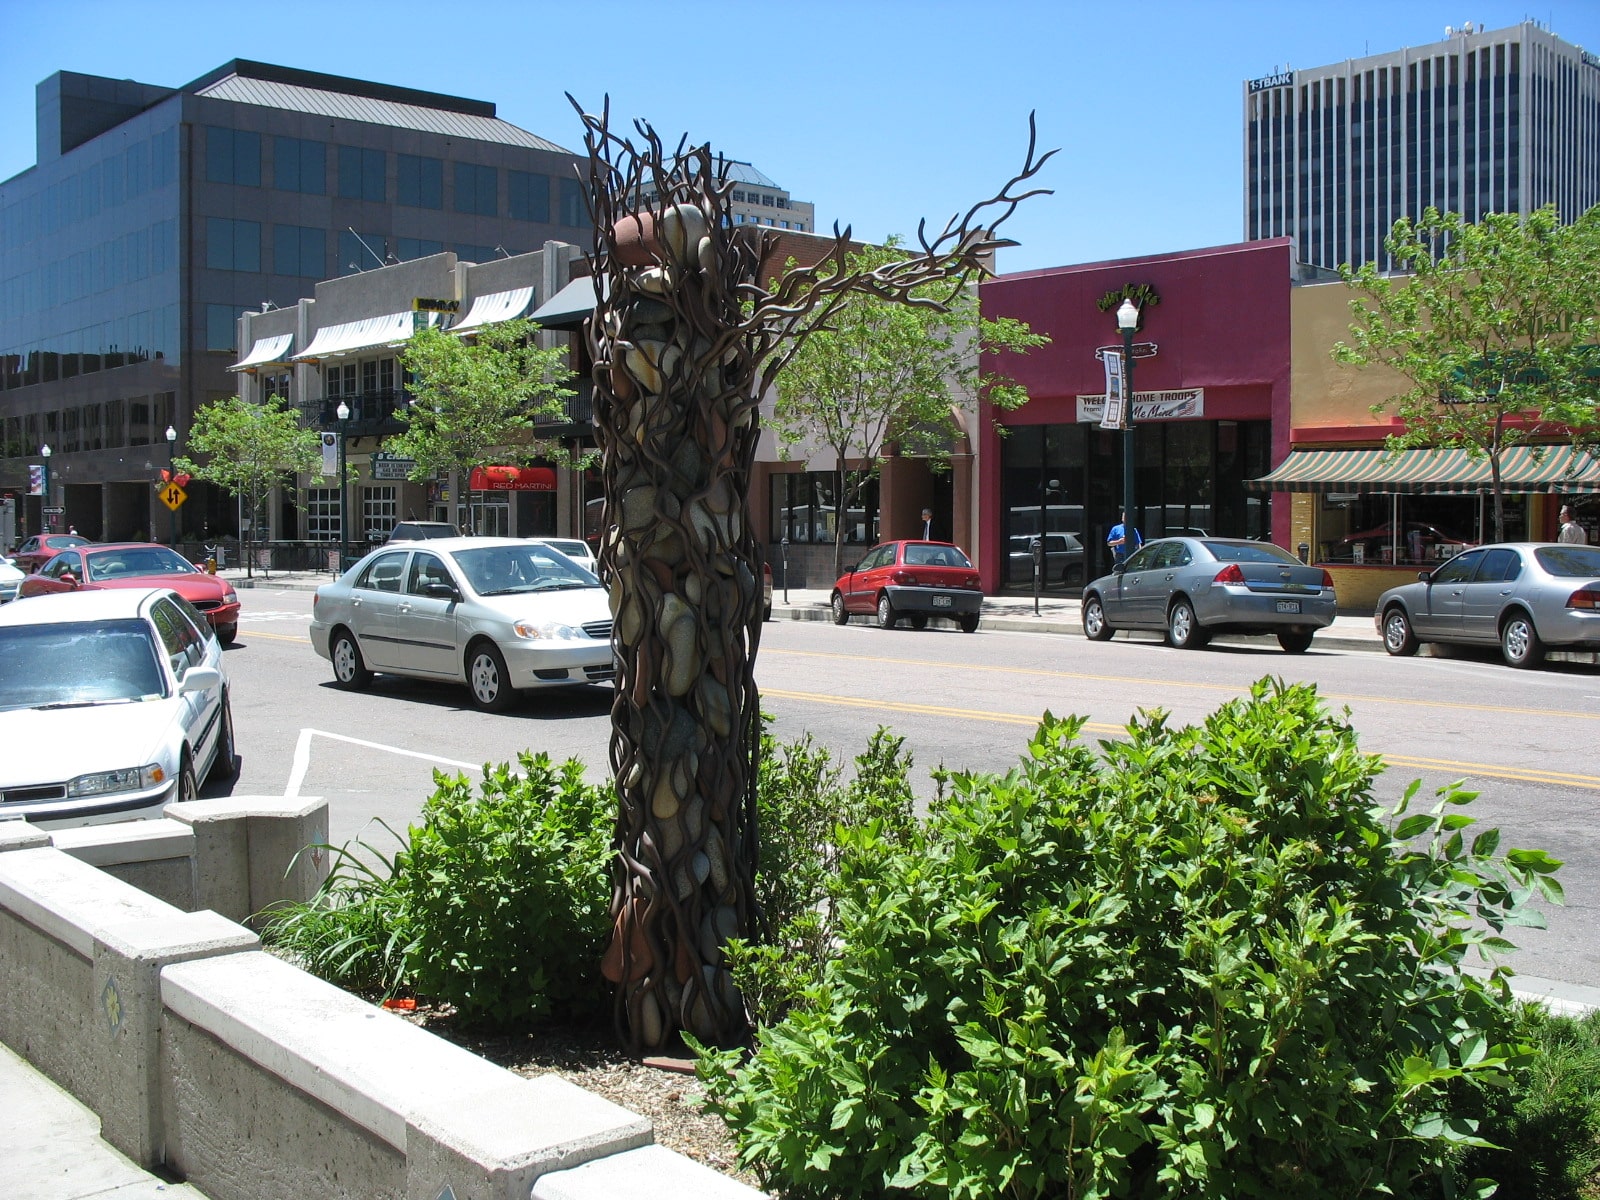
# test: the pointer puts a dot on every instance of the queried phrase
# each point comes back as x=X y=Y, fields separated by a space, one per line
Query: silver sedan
x=1524 y=596
x=1193 y=587
x=497 y=614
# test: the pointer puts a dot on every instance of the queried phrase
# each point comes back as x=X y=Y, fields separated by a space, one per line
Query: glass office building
x=155 y=216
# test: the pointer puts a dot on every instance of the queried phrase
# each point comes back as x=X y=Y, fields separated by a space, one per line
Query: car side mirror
x=68 y=578
x=200 y=679
x=440 y=591
x=1118 y=568
x=1425 y=576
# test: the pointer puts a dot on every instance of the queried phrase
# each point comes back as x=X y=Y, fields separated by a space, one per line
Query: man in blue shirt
x=1123 y=539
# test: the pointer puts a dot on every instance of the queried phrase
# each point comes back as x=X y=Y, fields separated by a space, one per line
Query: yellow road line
x=276 y=637
x=1229 y=689
x=1519 y=774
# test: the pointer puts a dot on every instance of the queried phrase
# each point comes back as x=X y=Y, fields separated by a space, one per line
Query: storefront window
x=1374 y=527
x=804 y=510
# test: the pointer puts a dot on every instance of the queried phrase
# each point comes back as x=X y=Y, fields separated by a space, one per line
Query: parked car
x=501 y=615
x=121 y=702
x=1526 y=596
x=421 y=531
x=97 y=566
x=38 y=550
x=914 y=580
x=1196 y=587
x=10 y=578
x=1063 y=559
x=576 y=549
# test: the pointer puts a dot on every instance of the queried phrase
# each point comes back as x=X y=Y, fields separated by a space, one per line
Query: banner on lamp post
x=35 y=479
x=330 y=454
x=1111 y=418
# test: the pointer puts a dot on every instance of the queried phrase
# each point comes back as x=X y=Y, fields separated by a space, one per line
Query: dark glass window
x=298 y=250
x=477 y=190
x=233 y=245
x=299 y=166
x=361 y=252
x=419 y=181
x=410 y=248
x=361 y=174
x=804 y=509
x=221 y=330
x=573 y=210
x=232 y=156
x=478 y=254
x=528 y=195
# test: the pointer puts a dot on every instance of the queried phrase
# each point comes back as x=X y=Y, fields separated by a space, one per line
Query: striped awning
x=352 y=337
x=266 y=350
x=1447 y=472
x=493 y=308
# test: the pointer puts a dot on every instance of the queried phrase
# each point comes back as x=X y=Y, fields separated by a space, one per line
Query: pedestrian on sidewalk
x=1571 y=531
x=1123 y=539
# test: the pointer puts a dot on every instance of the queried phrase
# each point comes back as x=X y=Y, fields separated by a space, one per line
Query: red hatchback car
x=37 y=551
x=138 y=565
x=911 y=579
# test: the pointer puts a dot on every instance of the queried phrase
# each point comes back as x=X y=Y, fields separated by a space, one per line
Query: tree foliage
x=1493 y=326
x=882 y=371
x=475 y=402
x=248 y=449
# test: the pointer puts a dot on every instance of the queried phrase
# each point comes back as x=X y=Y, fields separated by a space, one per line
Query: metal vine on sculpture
x=689 y=331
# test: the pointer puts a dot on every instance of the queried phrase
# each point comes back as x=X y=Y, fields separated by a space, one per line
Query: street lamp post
x=1128 y=322
x=44 y=509
x=172 y=474
x=343 y=413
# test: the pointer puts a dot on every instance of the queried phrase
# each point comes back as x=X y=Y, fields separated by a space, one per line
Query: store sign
x=421 y=304
x=1186 y=405
x=392 y=466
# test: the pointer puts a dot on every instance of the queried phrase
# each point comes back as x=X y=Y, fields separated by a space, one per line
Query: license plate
x=1288 y=606
x=944 y=602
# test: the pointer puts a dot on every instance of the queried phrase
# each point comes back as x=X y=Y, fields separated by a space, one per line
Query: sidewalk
x=1058 y=613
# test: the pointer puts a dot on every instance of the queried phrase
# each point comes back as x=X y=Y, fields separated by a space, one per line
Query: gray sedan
x=498 y=614
x=1525 y=596
x=1194 y=587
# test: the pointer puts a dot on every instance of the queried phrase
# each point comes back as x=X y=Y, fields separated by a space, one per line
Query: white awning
x=266 y=350
x=395 y=329
x=571 y=306
x=493 y=308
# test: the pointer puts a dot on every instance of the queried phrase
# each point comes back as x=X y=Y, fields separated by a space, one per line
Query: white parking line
x=302 y=756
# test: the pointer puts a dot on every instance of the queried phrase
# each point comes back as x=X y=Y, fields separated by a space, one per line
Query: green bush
x=1205 y=966
x=506 y=893
x=352 y=932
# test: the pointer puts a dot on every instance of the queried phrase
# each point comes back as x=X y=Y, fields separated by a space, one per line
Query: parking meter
x=1036 y=548
x=785 y=544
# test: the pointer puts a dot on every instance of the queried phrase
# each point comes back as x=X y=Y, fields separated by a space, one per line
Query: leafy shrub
x=1548 y=1124
x=805 y=810
x=352 y=932
x=1204 y=967
x=506 y=893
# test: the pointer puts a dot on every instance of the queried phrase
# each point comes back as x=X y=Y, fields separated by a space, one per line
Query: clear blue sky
x=878 y=111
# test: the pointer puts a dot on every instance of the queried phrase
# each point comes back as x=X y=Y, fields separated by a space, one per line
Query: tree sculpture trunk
x=685 y=339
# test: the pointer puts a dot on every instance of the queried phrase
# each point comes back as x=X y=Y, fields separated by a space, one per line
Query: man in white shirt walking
x=1571 y=531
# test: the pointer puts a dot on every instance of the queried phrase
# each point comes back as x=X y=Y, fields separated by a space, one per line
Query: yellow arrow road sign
x=173 y=496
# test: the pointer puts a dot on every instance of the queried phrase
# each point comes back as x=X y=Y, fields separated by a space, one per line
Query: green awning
x=1448 y=472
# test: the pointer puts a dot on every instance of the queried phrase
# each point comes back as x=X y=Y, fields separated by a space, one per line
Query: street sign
x=173 y=496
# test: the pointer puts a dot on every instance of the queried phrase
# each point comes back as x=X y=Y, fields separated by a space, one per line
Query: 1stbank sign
x=1284 y=79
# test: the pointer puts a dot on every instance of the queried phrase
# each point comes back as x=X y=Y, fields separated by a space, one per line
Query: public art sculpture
x=692 y=323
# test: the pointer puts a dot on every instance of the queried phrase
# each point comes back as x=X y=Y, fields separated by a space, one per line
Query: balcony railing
x=373 y=414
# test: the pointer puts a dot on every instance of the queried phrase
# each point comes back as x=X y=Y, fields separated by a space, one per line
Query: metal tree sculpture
x=686 y=337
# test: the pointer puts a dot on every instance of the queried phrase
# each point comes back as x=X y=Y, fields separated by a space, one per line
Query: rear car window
x=1569 y=562
x=1251 y=552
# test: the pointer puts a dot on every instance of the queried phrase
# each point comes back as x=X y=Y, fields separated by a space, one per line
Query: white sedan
x=500 y=615
x=112 y=704
x=11 y=578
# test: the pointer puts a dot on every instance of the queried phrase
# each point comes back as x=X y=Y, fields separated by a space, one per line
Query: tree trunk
x=676 y=421
x=839 y=510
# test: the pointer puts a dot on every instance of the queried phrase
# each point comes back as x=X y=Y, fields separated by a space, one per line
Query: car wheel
x=487 y=678
x=969 y=623
x=227 y=634
x=887 y=618
x=1183 y=628
x=224 y=766
x=1398 y=636
x=349 y=671
x=1294 y=641
x=188 y=789
x=839 y=614
x=1095 y=626
x=1519 y=641
x=919 y=620
x=766 y=612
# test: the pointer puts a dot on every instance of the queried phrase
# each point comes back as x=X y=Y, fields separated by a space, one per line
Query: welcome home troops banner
x=1184 y=405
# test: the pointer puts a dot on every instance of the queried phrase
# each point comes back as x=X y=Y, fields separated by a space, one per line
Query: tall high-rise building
x=155 y=216
x=1484 y=121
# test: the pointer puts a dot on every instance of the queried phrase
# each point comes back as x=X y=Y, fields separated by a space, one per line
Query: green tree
x=883 y=371
x=475 y=402
x=247 y=448
x=1493 y=326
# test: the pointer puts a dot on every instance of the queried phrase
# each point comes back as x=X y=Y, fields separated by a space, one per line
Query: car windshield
x=510 y=569
x=569 y=548
x=138 y=560
x=66 y=665
x=1570 y=562
x=935 y=556
x=1250 y=552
